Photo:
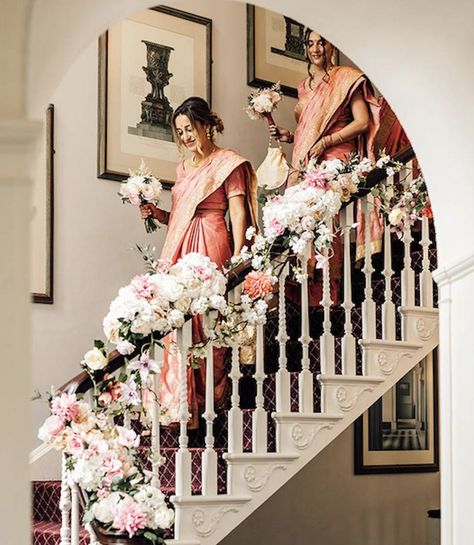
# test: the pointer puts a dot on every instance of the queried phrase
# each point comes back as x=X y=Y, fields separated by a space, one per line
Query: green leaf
x=99 y=344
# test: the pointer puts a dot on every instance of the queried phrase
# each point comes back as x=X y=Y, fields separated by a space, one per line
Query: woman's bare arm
x=238 y=219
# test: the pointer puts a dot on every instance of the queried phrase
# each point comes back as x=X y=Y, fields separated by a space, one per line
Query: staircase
x=317 y=370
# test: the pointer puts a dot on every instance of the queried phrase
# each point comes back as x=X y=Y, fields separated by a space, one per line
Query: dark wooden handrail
x=82 y=382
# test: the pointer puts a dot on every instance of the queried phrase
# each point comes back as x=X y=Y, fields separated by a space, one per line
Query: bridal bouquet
x=142 y=188
x=263 y=102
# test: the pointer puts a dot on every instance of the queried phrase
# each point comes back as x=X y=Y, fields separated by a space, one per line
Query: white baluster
x=326 y=342
x=282 y=381
x=426 y=279
x=235 y=425
x=183 y=456
x=92 y=536
x=74 y=514
x=348 y=340
x=65 y=505
x=388 y=307
x=155 y=424
x=368 y=305
x=209 y=456
x=305 y=378
x=127 y=421
x=259 y=416
x=408 y=274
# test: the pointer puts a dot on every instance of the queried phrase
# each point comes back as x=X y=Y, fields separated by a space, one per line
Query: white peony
x=104 y=509
x=395 y=216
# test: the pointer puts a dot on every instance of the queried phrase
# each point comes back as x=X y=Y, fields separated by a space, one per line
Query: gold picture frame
x=161 y=47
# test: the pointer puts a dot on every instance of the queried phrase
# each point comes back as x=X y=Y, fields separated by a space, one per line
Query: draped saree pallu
x=197 y=224
x=320 y=112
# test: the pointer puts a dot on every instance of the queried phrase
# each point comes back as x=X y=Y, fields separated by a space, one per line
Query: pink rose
x=104 y=399
x=74 y=444
x=51 y=429
x=277 y=227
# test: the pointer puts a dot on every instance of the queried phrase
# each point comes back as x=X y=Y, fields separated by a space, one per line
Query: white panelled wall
x=418 y=55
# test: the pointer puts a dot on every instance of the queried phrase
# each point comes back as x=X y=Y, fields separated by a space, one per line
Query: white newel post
x=426 y=278
x=235 y=426
x=209 y=456
x=282 y=384
x=17 y=151
x=183 y=456
x=348 y=340
x=75 y=522
x=65 y=505
x=305 y=378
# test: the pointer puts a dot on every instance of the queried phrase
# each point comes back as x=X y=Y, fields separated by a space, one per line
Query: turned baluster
x=426 y=278
x=259 y=416
x=75 y=523
x=305 y=378
x=368 y=305
x=209 y=456
x=348 y=340
x=408 y=274
x=282 y=384
x=326 y=342
x=235 y=426
x=183 y=456
x=155 y=424
x=65 y=505
x=388 y=307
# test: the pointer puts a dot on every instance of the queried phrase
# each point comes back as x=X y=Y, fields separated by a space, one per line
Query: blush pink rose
x=53 y=426
x=277 y=227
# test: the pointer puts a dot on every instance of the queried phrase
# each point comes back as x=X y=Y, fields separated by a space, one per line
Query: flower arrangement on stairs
x=104 y=454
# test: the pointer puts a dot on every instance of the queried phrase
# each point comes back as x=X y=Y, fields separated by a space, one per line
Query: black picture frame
x=104 y=170
x=399 y=457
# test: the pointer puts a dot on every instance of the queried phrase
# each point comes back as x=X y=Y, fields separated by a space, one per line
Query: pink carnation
x=129 y=518
x=315 y=178
x=141 y=286
x=163 y=265
x=257 y=285
x=65 y=406
x=203 y=273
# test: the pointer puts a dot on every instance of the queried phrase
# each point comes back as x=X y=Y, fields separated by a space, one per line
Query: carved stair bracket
x=389 y=361
x=207 y=527
x=346 y=398
x=256 y=482
x=303 y=437
x=425 y=328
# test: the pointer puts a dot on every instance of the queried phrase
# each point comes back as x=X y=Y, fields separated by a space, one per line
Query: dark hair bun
x=197 y=109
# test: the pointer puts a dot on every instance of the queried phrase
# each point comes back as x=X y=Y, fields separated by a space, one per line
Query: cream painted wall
x=93 y=230
x=326 y=504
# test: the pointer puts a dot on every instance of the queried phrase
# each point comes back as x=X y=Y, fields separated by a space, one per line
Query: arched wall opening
x=417 y=41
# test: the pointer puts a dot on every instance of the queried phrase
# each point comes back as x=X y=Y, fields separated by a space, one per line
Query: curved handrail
x=82 y=382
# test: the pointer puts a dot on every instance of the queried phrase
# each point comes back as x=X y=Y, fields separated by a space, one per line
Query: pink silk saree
x=321 y=112
x=197 y=224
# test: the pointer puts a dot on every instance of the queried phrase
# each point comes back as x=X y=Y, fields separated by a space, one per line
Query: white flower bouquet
x=263 y=102
x=142 y=188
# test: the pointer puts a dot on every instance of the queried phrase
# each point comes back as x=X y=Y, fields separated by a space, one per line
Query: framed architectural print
x=42 y=225
x=148 y=64
x=275 y=50
x=399 y=433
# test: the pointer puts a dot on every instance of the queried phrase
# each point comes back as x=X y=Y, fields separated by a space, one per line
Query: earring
x=208 y=133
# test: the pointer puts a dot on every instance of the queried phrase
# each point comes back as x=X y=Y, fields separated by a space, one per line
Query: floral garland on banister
x=102 y=451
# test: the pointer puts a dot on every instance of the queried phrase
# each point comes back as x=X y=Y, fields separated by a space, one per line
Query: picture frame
x=148 y=64
x=275 y=50
x=399 y=433
x=42 y=276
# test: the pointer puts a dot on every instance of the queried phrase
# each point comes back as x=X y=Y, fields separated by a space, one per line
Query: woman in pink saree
x=337 y=114
x=213 y=181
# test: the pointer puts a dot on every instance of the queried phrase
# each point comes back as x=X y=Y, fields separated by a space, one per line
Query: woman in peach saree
x=213 y=181
x=337 y=114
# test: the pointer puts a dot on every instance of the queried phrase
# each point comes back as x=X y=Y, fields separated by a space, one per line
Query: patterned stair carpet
x=46 y=494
